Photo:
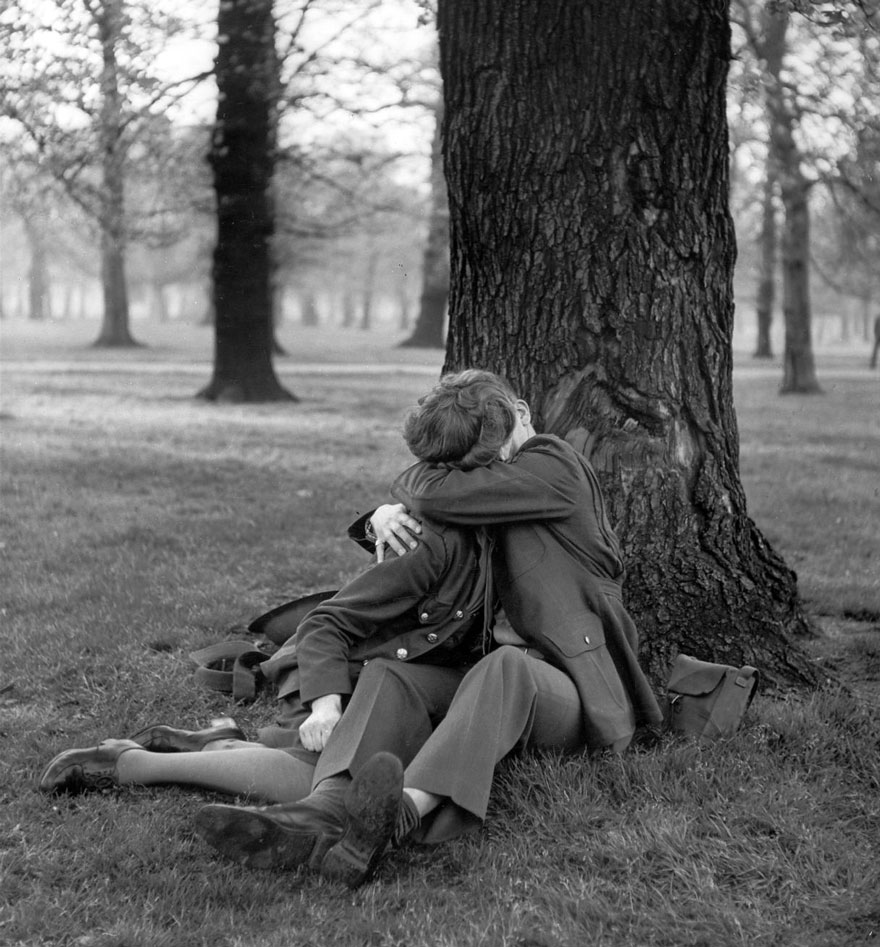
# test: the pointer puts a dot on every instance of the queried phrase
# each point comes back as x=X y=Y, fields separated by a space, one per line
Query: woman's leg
x=236 y=768
x=507 y=701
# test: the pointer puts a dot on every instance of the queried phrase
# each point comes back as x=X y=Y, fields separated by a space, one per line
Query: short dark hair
x=464 y=421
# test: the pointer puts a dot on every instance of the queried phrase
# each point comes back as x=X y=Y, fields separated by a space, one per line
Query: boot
x=280 y=836
x=374 y=807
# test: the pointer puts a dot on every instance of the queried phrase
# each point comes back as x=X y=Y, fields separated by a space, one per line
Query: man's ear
x=523 y=410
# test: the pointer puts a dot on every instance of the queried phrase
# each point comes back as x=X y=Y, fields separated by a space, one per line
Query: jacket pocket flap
x=577 y=633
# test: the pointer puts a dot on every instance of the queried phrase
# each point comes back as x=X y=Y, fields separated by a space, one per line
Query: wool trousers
x=451 y=728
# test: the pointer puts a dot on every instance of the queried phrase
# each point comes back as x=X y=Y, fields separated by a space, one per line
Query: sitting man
x=570 y=678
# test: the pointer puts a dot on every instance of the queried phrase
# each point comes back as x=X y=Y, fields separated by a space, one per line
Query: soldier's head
x=467 y=420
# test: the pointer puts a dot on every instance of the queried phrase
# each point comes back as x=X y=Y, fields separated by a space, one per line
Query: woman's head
x=464 y=421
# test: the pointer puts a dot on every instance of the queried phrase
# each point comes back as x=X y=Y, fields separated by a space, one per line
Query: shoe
x=162 y=739
x=280 y=836
x=373 y=803
x=90 y=769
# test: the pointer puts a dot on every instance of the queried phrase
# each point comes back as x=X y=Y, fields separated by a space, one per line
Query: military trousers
x=451 y=727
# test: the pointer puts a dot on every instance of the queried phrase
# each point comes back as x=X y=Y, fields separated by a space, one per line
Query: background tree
x=766 y=290
x=596 y=272
x=348 y=228
x=78 y=78
x=29 y=195
x=813 y=72
x=242 y=159
x=785 y=164
x=430 y=321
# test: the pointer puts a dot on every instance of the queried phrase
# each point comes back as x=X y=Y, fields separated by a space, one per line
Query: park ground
x=139 y=523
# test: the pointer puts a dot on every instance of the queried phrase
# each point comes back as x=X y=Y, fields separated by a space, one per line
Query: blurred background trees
x=804 y=99
x=109 y=213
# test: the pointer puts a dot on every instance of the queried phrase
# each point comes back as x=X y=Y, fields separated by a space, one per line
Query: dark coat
x=557 y=567
x=426 y=606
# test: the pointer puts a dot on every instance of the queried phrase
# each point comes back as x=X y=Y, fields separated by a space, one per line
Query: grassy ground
x=139 y=524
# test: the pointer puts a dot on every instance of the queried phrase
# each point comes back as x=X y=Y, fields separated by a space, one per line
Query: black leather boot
x=280 y=836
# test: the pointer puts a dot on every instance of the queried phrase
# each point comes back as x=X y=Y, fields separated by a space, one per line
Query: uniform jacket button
x=459 y=614
x=587 y=639
x=402 y=654
x=424 y=616
x=366 y=661
x=432 y=638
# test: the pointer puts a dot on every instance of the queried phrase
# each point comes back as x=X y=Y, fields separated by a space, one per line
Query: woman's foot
x=161 y=739
x=84 y=770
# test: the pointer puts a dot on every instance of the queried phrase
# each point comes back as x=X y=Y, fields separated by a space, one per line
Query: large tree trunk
x=766 y=292
x=428 y=330
x=592 y=256
x=115 y=330
x=242 y=159
x=799 y=370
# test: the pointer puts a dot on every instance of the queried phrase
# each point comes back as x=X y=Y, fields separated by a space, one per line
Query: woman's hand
x=393 y=526
x=315 y=730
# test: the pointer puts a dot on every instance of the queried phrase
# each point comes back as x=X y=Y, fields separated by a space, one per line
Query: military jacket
x=557 y=567
x=426 y=606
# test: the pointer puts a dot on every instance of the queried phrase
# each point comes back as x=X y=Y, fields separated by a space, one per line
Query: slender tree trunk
x=158 y=302
x=876 y=349
x=403 y=310
x=348 y=311
x=766 y=292
x=115 y=328
x=242 y=160
x=38 y=274
x=275 y=278
x=428 y=330
x=309 y=310
x=592 y=252
x=369 y=290
x=799 y=370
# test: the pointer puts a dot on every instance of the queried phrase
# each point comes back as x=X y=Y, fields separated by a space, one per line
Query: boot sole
x=372 y=803
x=255 y=840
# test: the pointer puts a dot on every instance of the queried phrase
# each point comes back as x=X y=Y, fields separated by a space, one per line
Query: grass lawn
x=139 y=524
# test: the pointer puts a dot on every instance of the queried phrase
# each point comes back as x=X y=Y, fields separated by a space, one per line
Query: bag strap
x=231 y=667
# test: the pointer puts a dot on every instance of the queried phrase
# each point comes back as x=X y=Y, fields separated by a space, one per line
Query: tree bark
x=428 y=330
x=766 y=292
x=592 y=254
x=242 y=160
x=115 y=326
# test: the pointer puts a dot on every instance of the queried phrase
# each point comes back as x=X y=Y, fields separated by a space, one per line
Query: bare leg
x=234 y=767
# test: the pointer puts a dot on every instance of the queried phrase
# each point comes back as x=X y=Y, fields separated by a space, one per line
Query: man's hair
x=464 y=421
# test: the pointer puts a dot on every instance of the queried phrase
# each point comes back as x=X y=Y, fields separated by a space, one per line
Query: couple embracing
x=491 y=622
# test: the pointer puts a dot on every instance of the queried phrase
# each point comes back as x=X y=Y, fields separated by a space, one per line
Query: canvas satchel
x=233 y=667
x=708 y=701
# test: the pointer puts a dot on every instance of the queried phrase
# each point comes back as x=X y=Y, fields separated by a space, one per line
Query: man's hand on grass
x=315 y=730
x=393 y=526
